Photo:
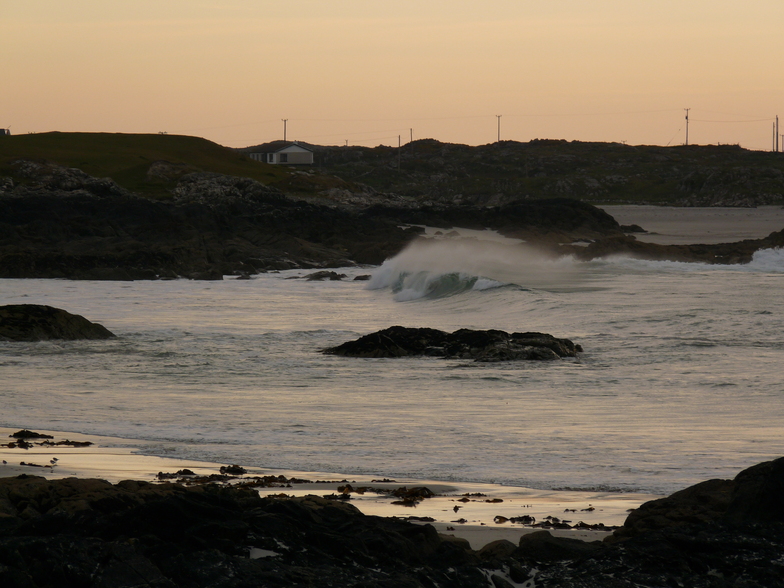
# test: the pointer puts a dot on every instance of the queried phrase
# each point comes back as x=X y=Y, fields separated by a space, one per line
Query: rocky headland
x=85 y=532
x=481 y=346
x=174 y=206
x=66 y=224
x=433 y=173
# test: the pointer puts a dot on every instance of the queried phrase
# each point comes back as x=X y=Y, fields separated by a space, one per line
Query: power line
x=732 y=121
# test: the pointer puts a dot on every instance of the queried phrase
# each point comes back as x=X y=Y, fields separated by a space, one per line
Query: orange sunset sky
x=367 y=71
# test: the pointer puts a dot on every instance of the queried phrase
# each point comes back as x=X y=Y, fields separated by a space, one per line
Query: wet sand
x=475 y=519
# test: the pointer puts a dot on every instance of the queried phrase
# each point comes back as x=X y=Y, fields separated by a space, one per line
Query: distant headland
x=134 y=206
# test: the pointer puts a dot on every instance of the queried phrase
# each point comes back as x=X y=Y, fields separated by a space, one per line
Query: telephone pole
x=285 y=120
x=777 y=133
x=687 y=125
x=498 y=116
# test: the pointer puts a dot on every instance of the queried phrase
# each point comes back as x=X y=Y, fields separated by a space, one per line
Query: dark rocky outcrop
x=439 y=173
x=61 y=223
x=91 y=533
x=214 y=225
x=719 y=253
x=486 y=346
x=36 y=322
x=58 y=222
x=755 y=496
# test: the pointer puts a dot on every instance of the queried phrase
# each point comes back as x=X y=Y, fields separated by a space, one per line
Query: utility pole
x=498 y=116
x=411 y=139
x=687 y=125
x=285 y=120
x=777 y=133
x=398 y=153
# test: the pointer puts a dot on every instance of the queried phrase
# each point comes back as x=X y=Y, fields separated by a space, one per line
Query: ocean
x=680 y=378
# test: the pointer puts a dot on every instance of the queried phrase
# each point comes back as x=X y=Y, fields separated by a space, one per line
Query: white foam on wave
x=768 y=260
x=437 y=268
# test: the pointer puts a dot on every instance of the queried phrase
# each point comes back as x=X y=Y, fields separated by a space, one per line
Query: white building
x=291 y=154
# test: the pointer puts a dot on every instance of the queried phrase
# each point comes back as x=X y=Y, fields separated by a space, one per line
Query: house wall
x=294 y=157
x=291 y=156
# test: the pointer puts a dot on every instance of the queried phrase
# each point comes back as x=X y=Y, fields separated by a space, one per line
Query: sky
x=370 y=72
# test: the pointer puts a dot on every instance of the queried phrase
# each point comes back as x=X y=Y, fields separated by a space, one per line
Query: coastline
x=478 y=518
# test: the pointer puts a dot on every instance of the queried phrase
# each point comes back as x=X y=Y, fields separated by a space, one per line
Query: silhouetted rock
x=755 y=496
x=324 y=275
x=75 y=532
x=486 y=346
x=36 y=322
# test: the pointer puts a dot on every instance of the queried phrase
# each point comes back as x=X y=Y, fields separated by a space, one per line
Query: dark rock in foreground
x=74 y=532
x=35 y=322
x=756 y=495
x=486 y=346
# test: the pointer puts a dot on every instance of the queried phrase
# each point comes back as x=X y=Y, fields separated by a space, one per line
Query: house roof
x=276 y=146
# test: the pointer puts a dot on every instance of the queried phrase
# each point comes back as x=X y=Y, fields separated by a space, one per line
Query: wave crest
x=439 y=268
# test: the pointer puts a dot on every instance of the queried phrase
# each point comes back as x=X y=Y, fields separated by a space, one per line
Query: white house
x=291 y=154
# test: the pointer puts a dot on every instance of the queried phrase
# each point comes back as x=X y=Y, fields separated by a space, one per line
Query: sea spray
x=430 y=268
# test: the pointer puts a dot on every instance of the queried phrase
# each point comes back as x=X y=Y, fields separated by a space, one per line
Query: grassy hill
x=491 y=174
x=428 y=171
x=129 y=158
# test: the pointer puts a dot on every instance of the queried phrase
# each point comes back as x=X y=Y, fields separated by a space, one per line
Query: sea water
x=680 y=379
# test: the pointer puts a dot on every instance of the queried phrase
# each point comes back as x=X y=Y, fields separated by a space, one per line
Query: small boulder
x=36 y=322
x=541 y=546
x=324 y=275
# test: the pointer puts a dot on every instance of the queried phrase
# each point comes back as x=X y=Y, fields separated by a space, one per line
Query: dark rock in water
x=233 y=470
x=486 y=346
x=325 y=275
x=362 y=278
x=740 y=252
x=35 y=322
x=25 y=434
x=633 y=229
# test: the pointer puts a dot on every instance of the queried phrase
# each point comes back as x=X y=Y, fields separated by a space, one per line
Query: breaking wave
x=438 y=268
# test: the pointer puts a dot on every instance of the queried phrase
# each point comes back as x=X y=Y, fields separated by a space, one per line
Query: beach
x=479 y=517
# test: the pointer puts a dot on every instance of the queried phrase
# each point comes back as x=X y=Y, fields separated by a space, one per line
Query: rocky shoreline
x=87 y=532
x=63 y=223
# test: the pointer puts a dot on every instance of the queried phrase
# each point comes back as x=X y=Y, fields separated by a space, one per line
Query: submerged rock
x=486 y=346
x=36 y=322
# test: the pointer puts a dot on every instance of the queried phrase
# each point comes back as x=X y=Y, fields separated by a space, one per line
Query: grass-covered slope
x=134 y=160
